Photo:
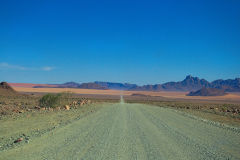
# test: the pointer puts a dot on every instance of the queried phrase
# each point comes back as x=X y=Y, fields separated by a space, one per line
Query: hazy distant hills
x=193 y=84
x=188 y=84
x=230 y=85
x=69 y=85
x=117 y=86
x=208 y=92
x=91 y=85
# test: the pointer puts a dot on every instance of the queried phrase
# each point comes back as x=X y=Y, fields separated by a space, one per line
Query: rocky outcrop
x=6 y=89
x=208 y=92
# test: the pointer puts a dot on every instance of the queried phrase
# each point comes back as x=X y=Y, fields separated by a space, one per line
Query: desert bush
x=50 y=100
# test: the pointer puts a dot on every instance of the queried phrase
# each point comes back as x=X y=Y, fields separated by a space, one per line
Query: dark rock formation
x=207 y=92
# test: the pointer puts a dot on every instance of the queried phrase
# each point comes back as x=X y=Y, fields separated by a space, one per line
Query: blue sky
x=143 y=42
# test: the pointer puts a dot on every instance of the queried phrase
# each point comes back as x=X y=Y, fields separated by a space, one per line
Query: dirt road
x=132 y=131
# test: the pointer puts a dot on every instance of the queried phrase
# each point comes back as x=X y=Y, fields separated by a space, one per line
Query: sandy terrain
x=182 y=95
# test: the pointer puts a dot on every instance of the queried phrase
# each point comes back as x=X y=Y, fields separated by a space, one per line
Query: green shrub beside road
x=50 y=100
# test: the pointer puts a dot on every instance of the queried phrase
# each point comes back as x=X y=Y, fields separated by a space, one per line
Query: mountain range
x=207 y=92
x=188 y=84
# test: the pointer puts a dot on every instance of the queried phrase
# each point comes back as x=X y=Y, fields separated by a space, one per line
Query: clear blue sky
x=143 y=42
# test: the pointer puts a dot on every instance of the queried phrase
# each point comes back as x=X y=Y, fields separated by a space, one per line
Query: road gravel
x=132 y=131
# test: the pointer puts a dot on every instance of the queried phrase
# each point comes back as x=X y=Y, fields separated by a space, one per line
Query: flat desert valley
x=28 y=88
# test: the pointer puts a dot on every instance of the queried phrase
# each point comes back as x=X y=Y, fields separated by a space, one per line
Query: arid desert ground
x=232 y=97
x=99 y=124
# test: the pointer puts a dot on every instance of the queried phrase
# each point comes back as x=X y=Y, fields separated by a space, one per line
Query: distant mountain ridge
x=91 y=85
x=117 y=86
x=229 y=85
x=208 y=92
x=190 y=83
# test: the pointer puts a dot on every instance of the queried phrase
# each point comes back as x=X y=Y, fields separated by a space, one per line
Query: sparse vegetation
x=50 y=100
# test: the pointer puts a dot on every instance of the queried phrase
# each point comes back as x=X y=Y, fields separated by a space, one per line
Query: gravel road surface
x=132 y=131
